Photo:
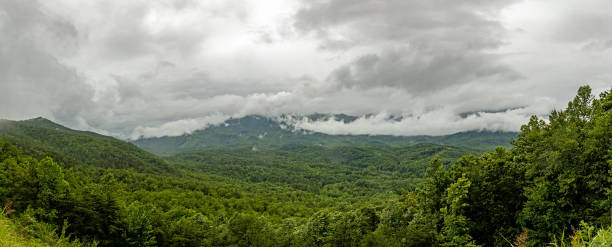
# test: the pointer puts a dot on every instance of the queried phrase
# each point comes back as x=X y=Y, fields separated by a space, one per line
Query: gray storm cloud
x=143 y=68
x=456 y=25
x=33 y=80
x=584 y=27
x=421 y=45
x=420 y=72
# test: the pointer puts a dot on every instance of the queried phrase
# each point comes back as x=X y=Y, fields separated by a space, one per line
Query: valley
x=224 y=186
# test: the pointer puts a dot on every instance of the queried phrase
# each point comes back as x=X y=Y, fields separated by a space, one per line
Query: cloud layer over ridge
x=154 y=68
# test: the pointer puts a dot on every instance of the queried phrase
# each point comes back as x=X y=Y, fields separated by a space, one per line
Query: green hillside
x=40 y=137
x=552 y=187
x=263 y=132
x=293 y=181
x=335 y=171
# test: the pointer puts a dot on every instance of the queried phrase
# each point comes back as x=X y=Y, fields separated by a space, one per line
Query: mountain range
x=264 y=132
x=255 y=178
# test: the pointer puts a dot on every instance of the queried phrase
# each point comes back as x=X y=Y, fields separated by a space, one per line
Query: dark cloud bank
x=143 y=68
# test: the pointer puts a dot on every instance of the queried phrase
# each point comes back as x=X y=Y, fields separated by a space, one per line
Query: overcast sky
x=153 y=68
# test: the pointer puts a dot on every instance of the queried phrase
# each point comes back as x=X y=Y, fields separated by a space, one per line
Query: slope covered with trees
x=554 y=186
x=201 y=196
x=40 y=137
x=557 y=175
x=335 y=171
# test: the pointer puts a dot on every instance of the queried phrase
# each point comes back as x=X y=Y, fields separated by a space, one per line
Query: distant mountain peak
x=37 y=119
x=45 y=123
x=41 y=135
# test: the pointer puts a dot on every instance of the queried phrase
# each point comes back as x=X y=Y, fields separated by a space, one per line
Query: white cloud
x=169 y=67
x=441 y=121
x=179 y=127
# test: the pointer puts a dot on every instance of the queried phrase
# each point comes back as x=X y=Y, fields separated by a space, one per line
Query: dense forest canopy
x=61 y=187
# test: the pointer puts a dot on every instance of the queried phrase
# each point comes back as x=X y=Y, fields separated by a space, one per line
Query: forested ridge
x=265 y=132
x=40 y=137
x=61 y=187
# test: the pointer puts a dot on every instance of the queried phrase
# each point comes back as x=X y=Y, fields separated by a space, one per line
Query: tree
x=52 y=185
x=138 y=231
x=456 y=231
x=495 y=195
x=432 y=195
x=567 y=165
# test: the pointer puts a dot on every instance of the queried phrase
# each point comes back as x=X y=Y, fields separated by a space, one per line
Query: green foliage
x=27 y=231
x=61 y=186
x=192 y=230
x=92 y=216
x=334 y=172
x=567 y=164
x=18 y=180
x=432 y=196
x=40 y=138
x=51 y=184
x=557 y=174
x=138 y=230
x=585 y=236
x=456 y=231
